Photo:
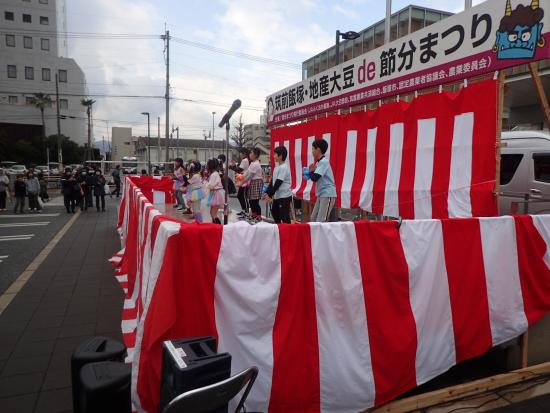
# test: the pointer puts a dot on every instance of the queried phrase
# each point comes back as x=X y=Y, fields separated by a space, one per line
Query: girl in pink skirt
x=216 y=194
x=195 y=192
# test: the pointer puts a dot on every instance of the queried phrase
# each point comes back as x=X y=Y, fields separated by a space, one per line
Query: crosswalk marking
x=24 y=224
x=21 y=216
x=3 y=257
x=21 y=237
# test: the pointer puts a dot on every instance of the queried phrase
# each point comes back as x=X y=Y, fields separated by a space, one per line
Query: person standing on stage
x=242 y=193
x=279 y=188
x=321 y=174
x=254 y=175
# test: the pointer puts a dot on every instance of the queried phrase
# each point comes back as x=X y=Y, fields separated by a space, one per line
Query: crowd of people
x=195 y=183
x=32 y=186
x=78 y=187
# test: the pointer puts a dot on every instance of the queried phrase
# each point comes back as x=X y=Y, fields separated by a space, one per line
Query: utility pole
x=59 y=150
x=166 y=38
x=158 y=135
x=177 y=130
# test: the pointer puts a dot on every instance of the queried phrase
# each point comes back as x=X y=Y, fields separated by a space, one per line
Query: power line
x=130 y=36
x=261 y=59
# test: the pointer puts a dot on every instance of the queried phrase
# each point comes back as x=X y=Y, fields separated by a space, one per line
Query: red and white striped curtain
x=338 y=317
x=431 y=158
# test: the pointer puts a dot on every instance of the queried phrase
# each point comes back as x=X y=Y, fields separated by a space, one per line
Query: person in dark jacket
x=19 y=193
x=43 y=188
x=88 y=187
x=116 y=179
x=99 y=190
x=67 y=183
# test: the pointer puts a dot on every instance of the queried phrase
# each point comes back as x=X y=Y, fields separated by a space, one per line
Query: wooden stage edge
x=479 y=395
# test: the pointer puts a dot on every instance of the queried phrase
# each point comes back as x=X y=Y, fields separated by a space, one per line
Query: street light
x=148 y=139
x=349 y=35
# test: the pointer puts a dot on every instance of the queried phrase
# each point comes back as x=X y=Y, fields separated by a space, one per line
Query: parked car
x=43 y=169
x=525 y=171
x=55 y=167
x=17 y=169
x=75 y=166
x=7 y=164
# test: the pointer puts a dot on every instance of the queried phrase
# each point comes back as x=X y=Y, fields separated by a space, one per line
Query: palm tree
x=88 y=103
x=41 y=101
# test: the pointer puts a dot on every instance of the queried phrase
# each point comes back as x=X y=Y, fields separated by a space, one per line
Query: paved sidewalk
x=71 y=296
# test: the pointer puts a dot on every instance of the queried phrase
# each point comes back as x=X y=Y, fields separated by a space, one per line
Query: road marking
x=3 y=257
x=28 y=215
x=19 y=283
x=24 y=224
x=20 y=237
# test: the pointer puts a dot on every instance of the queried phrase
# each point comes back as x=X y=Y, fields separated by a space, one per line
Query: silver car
x=525 y=172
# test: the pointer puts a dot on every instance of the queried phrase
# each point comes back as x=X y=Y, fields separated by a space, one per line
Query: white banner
x=491 y=36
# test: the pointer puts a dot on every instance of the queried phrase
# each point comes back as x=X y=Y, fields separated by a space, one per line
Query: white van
x=525 y=171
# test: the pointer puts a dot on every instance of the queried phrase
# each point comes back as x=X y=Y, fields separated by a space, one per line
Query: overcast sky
x=287 y=30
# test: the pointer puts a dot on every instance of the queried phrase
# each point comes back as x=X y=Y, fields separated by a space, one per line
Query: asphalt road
x=23 y=236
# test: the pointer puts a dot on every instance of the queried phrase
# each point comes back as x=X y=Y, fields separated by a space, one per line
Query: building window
x=43 y=1
x=63 y=104
x=12 y=100
x=44 y=20
x=45 y=44
x=29 y=100
x=10 y=40
x=27 y=42
x=27 y=18
x=8 y=15
x=46 y=74
x=63 y=76
x=12 y=71
x=29 y=72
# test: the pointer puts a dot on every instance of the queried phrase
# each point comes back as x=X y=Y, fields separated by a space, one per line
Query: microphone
x=236 y=105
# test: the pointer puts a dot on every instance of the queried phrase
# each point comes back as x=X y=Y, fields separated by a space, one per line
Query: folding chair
x=214 y=396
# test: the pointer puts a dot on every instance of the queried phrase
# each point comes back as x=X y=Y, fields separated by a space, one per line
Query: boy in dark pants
x=279 y=188
x=20 y=193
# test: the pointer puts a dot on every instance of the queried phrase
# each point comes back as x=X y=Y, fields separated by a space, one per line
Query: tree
x=88 y=103
x=239 y=137
x=41 y=101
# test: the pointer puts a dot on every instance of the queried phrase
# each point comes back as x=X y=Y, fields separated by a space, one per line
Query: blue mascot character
x=520 y=32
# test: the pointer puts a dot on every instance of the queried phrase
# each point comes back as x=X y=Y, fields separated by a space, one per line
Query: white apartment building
x=33 y=50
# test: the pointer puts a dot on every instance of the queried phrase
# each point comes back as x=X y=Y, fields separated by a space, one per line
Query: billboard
x=492 y=36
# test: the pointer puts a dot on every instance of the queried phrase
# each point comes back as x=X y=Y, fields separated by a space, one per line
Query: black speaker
x=105 y=387
x=93 y=350
x=191 y=363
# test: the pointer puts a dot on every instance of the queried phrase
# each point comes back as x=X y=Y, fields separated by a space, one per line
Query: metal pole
x=467 y=4
x=59 y=150
x=167 y=37
x=178 y=140
x=89 y=157
x=148 y=144
x=387 y=22
x=158 y=134
x=213 y=113
x=337 y=48
x=226 y=177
